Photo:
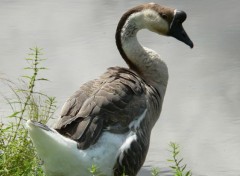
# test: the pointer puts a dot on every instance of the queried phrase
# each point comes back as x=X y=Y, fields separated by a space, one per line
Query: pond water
x=201 y=108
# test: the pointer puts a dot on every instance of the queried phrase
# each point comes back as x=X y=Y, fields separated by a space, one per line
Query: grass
x=17 y=153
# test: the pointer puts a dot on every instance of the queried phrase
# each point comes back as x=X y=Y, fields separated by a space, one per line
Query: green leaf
x=43 y=68
x=14 y=114
x=28 y=59
x=179 y=161
x=42 y=79
x=155 y=171
x=176 y=153
x=188 y=173
x=28 y=77
x=184 y=166
x=28 y=68
x=6 y=129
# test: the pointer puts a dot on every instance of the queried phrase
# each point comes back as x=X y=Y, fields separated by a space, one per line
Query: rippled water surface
x=201 y=109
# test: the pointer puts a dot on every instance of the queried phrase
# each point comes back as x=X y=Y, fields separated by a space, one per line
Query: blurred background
x=201 y=108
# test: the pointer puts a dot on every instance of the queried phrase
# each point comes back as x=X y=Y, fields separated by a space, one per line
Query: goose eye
x=164 y=16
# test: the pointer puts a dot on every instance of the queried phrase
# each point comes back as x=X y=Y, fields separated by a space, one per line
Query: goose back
x=109 y=103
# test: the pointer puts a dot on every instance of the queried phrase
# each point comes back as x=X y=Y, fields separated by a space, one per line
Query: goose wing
x=110 y=103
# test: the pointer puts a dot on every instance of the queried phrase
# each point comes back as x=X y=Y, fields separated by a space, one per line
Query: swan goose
x=108 y=121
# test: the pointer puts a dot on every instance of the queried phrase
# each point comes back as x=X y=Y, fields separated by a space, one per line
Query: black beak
x=176 y=28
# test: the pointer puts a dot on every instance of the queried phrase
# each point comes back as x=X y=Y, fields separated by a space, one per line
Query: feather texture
x=119 y=102
x=109 y=103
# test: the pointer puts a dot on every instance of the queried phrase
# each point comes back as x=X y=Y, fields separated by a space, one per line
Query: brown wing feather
x=109 y=103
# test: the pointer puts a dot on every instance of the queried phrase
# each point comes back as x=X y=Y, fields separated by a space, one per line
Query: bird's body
x=108 y=121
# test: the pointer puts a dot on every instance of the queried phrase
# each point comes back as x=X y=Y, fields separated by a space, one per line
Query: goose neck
x=142 y=60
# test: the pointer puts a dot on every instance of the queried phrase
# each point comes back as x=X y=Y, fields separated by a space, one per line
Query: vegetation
x=155 y=171
x=17 y=154
x=177 y=168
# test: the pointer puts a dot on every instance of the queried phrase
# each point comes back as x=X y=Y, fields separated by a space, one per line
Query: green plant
x=177 y=168
x=155 y=171
x=94 y=170
x=18 y=156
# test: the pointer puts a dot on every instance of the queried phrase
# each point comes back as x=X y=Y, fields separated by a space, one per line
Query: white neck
x=147 y=62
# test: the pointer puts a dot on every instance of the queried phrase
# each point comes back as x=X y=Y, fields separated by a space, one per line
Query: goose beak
x=176 y=29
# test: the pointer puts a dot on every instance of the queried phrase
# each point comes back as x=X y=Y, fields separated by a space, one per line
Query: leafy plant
x=94 y=170
x=177 y=168
x=155 y=171
x=17 y=153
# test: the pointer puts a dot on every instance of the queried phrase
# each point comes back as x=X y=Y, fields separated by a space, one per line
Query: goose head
x=156 y=18
x=164 y=21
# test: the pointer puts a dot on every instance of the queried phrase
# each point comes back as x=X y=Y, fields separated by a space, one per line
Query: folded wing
x=109 y=103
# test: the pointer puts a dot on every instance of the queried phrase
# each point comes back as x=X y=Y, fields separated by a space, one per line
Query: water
x=201 y=109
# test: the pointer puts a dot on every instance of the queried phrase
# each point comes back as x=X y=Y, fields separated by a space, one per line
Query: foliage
x=155 y=172
x=17 y=153
x=94 y=170
x=177 y=168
